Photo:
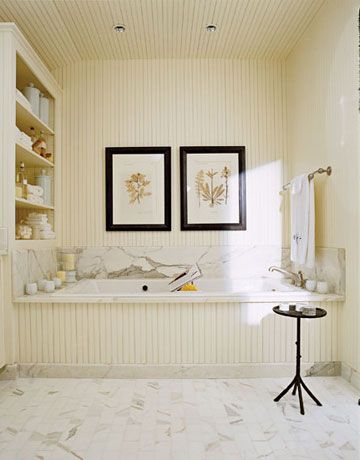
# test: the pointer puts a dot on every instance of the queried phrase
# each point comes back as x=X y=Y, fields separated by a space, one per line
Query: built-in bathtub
x=157 y=290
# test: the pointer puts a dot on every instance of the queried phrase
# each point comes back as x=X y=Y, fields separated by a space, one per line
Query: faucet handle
x=302 y=278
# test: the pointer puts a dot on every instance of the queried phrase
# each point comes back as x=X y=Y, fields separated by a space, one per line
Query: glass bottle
x=23 y=180
x=18 y=186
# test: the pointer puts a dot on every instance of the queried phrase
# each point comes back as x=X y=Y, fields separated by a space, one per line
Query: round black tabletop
x=320 y=312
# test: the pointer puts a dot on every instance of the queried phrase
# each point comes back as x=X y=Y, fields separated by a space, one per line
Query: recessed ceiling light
x=211 y=28
x=119 y=28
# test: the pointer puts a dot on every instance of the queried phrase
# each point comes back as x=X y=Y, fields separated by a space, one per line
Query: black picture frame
x=110 y=152
x=211 y=150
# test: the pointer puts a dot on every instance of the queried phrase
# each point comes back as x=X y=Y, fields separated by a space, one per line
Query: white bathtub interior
x=149 y=287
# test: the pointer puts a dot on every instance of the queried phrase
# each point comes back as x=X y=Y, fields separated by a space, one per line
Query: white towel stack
x=23 y=139
x=34 y=194
x=41 y=228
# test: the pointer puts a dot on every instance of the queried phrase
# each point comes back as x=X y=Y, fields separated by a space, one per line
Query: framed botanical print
x=138 y=188
x=213 y=189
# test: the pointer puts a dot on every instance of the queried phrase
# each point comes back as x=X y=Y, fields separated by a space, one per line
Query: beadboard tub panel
x=217 y=333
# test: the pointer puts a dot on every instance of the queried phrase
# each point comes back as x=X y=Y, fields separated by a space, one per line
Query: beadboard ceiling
x=64 y=31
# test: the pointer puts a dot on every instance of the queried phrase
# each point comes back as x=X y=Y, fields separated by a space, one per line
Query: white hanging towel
x=302 y=221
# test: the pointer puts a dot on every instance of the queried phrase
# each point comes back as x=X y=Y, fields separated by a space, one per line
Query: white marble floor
x=176 y=419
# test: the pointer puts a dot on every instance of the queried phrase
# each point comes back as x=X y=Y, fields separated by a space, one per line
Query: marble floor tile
x=60 y=419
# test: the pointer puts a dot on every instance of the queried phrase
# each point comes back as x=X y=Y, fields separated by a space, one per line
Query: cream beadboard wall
x=323 y=124
x=171 y=103
x=172 y=334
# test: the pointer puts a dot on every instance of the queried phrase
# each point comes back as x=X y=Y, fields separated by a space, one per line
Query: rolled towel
x=47 y=235
x=36 y=224
x=36 y=215
x=35 y=190
x=38 y=219
x=35 y=199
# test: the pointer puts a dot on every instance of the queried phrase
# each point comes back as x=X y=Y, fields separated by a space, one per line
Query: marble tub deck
x=176 y=420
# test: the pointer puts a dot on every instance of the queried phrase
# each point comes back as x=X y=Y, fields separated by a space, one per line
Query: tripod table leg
x=285 y=391
x=302 y=411
x=309 y=392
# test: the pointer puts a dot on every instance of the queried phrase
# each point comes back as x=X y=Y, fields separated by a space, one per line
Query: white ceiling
x=63 y=31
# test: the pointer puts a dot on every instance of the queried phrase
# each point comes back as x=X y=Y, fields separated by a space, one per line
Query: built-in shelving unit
x=21 y=66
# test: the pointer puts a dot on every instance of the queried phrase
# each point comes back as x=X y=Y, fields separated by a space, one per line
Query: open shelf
x=35 y=244
x=21 y=203
x=25 y=119
x=30 y=158
x=24 y=76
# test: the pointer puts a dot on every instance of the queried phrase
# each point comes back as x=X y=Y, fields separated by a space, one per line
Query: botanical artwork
x=213 y=190
x=137 y=187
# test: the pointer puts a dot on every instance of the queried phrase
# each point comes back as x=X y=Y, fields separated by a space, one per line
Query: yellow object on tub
x=189 y=287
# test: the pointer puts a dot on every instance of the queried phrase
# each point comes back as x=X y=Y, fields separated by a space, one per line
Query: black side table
x=297 y=381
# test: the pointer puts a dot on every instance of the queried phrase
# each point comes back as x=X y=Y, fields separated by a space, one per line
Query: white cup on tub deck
x=41 y=284
x=322 y=287
x=31 y=288
x=310 y=285
x=49 y=287
x=57 y=282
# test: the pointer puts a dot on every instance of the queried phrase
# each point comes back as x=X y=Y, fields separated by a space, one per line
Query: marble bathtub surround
x=29 y=266
x=215 y=262
x=168 y=262
x=233 y=262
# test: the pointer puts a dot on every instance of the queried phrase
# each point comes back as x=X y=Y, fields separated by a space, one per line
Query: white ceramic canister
x=32 y=94
x=44 y=181
x=44 y=109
